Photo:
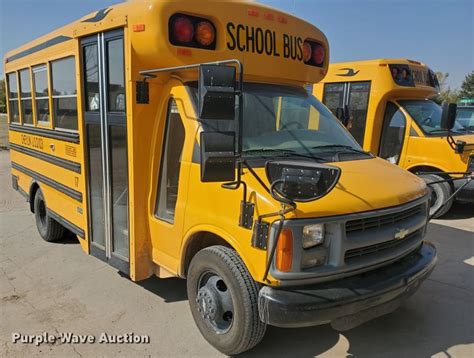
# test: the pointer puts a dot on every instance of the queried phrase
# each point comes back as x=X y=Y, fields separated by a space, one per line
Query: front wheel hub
x=214 y=302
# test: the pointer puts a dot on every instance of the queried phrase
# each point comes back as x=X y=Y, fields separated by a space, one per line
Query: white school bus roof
x=267 y=41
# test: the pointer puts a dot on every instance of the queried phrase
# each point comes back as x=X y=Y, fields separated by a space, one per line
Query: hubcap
x=214 y=302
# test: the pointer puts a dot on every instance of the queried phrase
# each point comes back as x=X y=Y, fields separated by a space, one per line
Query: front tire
x=223 y=298
x=440 y=193
x=49 y=229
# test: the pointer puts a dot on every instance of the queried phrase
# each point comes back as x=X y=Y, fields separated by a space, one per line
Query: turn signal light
x=284 y=251
x=314 y=53
x=192 y=31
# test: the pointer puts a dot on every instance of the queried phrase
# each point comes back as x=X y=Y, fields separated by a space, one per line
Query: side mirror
x=448 y=116
x=218 y=160
x=217 y=92
x=343 y=114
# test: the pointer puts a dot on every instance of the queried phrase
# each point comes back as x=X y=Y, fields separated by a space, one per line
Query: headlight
x=313 y=235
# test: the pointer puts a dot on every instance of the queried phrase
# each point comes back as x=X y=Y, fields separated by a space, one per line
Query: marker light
x=307 y=51
x=314 y=54
x=183 y=29
x=192 y=31
x=284 y=253
x=318 y=54
x=205 y=33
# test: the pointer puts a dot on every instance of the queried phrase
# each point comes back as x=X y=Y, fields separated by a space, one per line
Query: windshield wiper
x=340 y=146
x=282 y=153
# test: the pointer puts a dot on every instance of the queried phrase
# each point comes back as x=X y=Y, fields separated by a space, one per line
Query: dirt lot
x=56 y=288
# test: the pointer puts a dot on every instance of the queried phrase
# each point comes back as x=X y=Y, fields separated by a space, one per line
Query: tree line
x=447 y=94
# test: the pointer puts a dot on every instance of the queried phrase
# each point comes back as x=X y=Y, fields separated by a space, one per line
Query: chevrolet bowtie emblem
x=401 y=234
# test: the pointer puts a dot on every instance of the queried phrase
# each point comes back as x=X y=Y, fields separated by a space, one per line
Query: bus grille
x=391 y=244
x=383 y=220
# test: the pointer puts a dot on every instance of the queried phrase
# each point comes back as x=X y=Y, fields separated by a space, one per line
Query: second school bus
x=393 y=116
x=126 y=131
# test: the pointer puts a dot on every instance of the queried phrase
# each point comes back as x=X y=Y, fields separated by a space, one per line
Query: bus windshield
x=282 y=120
x=427 y=115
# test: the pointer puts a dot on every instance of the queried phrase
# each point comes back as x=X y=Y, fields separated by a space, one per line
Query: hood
x=364 y=185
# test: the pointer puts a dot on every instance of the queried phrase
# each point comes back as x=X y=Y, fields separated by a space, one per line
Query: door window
x=393 y=134
x=354 y=95
x=170 y=164
x=334 y=96
x=358 y=104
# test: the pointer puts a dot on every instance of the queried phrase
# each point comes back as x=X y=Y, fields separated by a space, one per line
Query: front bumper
x=348 y=302
x=467 y=193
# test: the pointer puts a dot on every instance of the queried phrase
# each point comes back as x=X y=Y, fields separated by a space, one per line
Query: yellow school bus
x=392 y=116
x=177 y=139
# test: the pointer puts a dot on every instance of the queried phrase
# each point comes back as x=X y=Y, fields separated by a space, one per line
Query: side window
x=393 y=133
x=170 y=164
x=40 y=83
x=26 y=98
x=64 y=93
x=13 y=112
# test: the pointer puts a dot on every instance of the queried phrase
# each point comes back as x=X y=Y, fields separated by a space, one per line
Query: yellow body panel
x=201 y=207
x=418 y=150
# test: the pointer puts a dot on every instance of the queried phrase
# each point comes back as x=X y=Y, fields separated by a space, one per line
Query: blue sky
x=437 y=32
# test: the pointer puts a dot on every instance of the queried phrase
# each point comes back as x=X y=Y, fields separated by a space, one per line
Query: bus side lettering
x=34 y=142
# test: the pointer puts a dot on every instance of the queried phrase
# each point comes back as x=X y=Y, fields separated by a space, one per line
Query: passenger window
x=64 y=93
x=393 y=134
x=14 y=114
x=116 y=86
x=170 y=165
x=40 y=83
x=26 y=99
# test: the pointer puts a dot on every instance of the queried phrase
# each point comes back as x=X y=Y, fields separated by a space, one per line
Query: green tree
x=446 y=94
x=3 y=106
x=467 y=87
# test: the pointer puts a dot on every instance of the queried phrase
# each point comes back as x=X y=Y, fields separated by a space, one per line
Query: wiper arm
x=282 y=153
x=346 y=147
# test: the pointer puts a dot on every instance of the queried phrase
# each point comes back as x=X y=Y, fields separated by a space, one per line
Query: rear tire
x=49 y=229
x=440 y=193
x=229 y=321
